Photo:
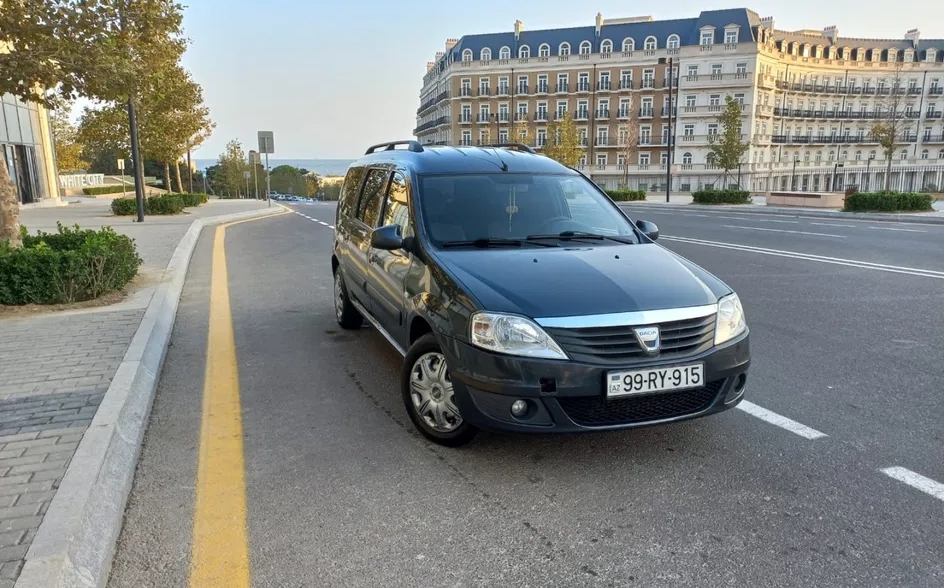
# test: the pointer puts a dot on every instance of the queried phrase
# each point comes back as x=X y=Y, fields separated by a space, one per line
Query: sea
x=322 y=167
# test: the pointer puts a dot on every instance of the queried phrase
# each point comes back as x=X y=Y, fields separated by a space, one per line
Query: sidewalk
x=55 y=370
x=759 y=205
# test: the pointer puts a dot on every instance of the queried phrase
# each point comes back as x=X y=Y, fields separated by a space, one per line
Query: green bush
x=96 y=190
x=623 y=195
x=72 y=265
x=721 y=197
x=163 y=204
x=332 y=192
x=891 y=202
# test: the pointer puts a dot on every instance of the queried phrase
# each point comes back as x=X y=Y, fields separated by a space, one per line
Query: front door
x=366 y=217
x=388 y=269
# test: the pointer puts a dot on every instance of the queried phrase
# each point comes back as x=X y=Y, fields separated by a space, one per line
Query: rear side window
x=396 y=211
x=349 y=191
x=372 y=198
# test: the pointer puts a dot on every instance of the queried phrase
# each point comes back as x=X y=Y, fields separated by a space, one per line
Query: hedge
x=96 y=190
x=622 y=195
x=891 y=202
x=721 y=197
x=72 y=265
x=163 y=204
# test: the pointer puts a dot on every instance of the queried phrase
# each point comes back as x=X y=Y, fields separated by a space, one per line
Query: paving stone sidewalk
x=56 y=367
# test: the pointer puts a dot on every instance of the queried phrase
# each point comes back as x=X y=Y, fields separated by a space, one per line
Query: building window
x=585 y=48
x=486 y=54
x=741 y=68
x=601 y=159
x=544 y=50
x=686 y=159
x=643 y=159
x=524 y=52
x=707 y=38
x=925 y=154
x=629 y=44
x=467 y=55
x=606 y=46
x=688 y=131
x=504 y=53
x=564 y=48
x=731 y=36
x=651 y=43
x=904 y=154
x=466 y=138
x=672 y=42
x=690 y=100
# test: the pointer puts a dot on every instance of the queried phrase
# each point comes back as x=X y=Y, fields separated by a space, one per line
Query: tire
x=439 y=421
x=348 y=316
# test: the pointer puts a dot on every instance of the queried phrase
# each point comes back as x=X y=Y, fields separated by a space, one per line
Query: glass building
x=26 y=144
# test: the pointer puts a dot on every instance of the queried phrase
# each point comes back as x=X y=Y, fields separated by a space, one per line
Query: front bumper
x=568 y=397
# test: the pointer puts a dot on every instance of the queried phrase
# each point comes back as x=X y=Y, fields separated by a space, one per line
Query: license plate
x=677 y=377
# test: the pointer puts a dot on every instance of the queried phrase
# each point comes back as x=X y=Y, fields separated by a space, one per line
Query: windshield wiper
x=484 y=242
x=567 y=235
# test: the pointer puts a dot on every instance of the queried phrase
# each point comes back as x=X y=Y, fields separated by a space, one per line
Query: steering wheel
x=550 y=222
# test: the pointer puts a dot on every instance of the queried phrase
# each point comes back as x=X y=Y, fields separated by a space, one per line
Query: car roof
x=442 y=159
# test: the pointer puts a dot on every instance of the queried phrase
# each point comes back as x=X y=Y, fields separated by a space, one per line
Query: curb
x=805 y=212
x=76 y=541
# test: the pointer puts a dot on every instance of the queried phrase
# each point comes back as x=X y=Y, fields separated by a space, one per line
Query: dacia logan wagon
x=524 y=300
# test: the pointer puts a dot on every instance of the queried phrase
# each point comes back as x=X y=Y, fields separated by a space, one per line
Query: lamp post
x=868 y=176
x=835 y=169
x=668 y=141
x=794 y=185
x=246 y=175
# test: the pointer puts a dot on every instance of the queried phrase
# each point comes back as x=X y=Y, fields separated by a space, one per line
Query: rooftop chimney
x=599 y=22
x=767 y=22
x=832 y=33
x=450 y=43
x=912 y=36
x=519 y=26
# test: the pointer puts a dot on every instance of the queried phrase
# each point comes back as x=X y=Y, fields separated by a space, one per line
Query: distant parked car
x=524 y=300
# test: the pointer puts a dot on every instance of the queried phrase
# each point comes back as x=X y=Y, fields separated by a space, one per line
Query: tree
x=563 y=142
x=727 y=149
x=65 y=139
x=227 y=175
x=522 y=133
x=287 y=179
x=312 y=183
x=628 y=146
x=892 y=123
x=58 y=50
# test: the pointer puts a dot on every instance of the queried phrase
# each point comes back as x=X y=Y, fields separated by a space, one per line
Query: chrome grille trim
x=628 y=319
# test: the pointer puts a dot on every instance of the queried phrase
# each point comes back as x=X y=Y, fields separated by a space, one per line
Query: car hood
x=576 y=280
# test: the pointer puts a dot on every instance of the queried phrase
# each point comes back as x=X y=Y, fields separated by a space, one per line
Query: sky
x=331 y=78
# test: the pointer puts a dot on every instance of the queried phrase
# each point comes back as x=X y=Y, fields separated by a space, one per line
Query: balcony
x=521 y=117
x=562 y=87
x=503 y=91
x=936 y=90
x=542 y=88
x=465 y=118
x=504 y=117
x=465 y=92
x=540 y=116
x=560 y=115
x=582 y=114
x=522 y=89
x=603 y=114
x=604 y=86
x=626 y=84
x=623 y=113
x=483 y=92
x=648 y=84
x=645 y=112
x=483 y=117
x=583 y=86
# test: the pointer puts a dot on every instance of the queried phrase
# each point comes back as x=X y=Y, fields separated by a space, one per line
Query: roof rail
x=512 y=146
x=390 y=145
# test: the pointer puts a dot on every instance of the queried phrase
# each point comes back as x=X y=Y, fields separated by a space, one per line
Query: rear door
x=363 y=222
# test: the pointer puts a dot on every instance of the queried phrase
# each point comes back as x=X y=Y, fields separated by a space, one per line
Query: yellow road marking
x=220 y=552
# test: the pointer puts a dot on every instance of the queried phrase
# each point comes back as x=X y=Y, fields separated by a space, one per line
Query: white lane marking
x=733 y=217
x=785 y=231
x=773 y=220
x=838 y=215
x=809 y=257
x=322 y=223
x=330 y=226
x=917 y=481
x=896 y=229
x=780 y=421
x=834 y=225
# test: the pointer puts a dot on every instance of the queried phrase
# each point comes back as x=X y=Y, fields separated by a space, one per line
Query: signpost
x=121 y=166
x=267 y=146
x=246 y=175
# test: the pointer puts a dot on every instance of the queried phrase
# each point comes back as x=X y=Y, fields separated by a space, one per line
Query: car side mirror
x=648 y=229
x=387 y=238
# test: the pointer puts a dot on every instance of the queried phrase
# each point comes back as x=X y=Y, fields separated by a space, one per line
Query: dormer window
x=672 y=42
x=707 y=37
x=585 y=48
x=628 y=44
x=564 y=49
x=606 y=46
x=504 y=53
x=651 y=43
x=486 y=54
x=524 y=52
x=544 y=50
x=467 y=55
x=731 y=35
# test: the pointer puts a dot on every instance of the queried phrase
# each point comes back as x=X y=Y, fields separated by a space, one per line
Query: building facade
x=28 y=152
x=809 y=100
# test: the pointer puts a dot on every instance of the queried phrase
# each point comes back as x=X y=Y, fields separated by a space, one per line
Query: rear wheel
x=429 y=396
x=348 y=316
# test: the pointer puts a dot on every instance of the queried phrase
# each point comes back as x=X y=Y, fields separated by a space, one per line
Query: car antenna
x=504 y=166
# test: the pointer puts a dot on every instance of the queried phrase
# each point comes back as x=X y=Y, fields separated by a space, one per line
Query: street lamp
x=796 y=158
x=835 y=169
x=670 y=114
x=868 y=176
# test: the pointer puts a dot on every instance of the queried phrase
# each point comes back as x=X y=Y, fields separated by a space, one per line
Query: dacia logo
x=648 y=338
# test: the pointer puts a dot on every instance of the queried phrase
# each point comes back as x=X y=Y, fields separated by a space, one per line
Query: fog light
x=519 y=408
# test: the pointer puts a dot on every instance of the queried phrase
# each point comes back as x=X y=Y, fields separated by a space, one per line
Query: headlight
x=513 y=335
x=730 y=320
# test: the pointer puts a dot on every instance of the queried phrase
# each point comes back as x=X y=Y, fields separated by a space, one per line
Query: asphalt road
x=340 y=491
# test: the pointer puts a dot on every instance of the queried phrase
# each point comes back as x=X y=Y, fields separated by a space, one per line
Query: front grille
x=618 y=345
x=599 y=411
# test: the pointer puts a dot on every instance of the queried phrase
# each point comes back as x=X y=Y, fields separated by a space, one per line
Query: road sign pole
x=268 y=194
x=267 y=146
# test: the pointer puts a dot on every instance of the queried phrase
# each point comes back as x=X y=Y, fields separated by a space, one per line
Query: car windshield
x=499 y=207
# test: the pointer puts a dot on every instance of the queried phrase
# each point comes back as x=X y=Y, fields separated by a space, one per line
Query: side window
x=349 y=190
x=368 y=210
x=397 y=210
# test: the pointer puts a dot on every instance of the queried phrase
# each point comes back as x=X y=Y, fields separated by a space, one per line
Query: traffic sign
x=266 y=142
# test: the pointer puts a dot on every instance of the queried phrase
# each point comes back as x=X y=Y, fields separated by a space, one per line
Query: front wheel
x=429 y=396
